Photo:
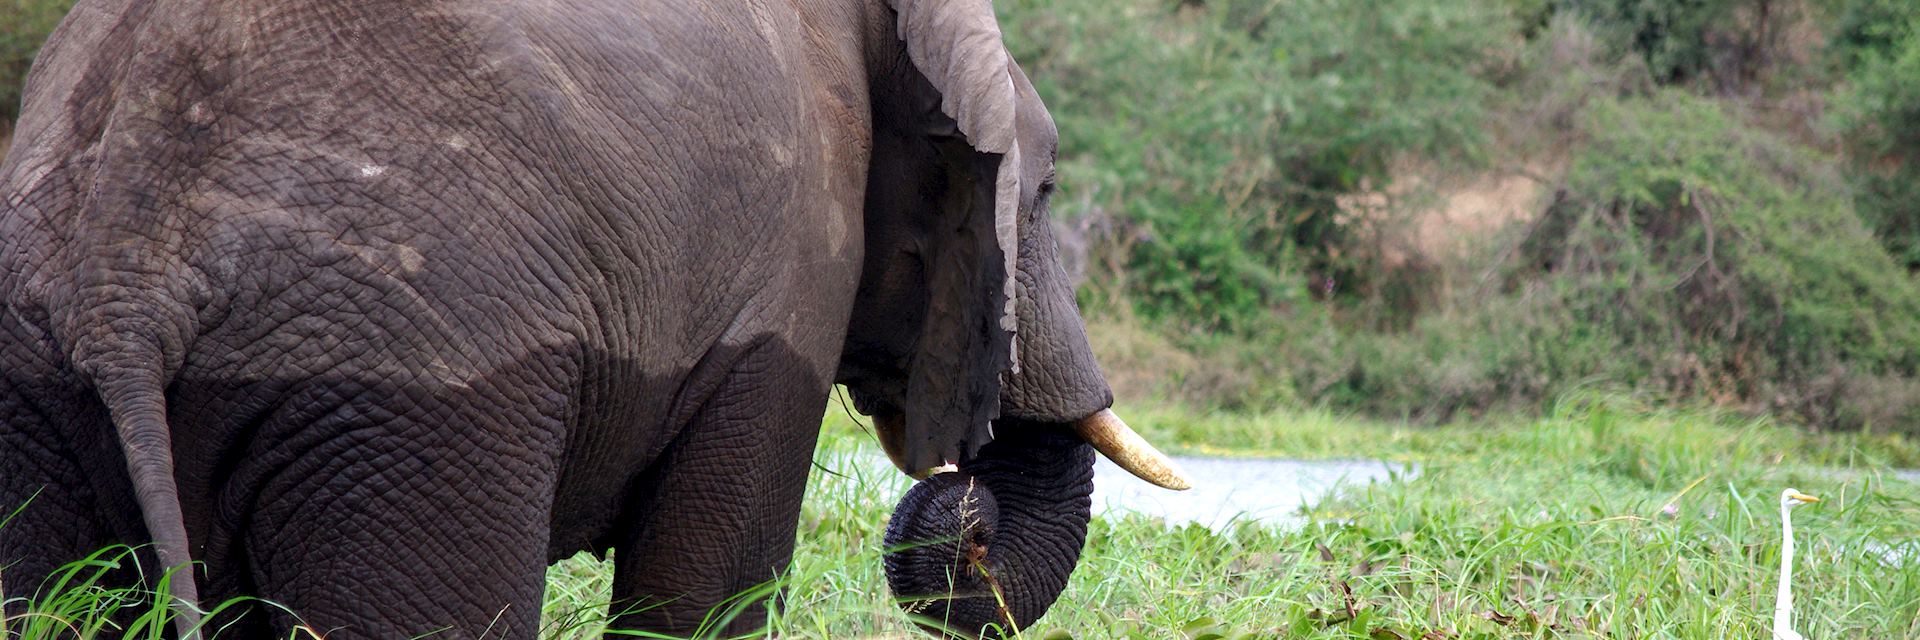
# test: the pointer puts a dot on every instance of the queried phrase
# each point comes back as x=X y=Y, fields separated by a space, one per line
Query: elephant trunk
x=983 y=551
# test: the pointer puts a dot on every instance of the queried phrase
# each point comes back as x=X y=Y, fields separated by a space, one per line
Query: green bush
x=1686 y=255
x=1878 y=44
x=1724 y=45
x=1864 y=30
x=1217 y=148
x=1675 y=36
x=1691 y=230
x=1218 y=138
x=27 y=24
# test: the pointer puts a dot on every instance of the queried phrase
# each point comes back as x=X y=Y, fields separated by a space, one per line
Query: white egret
x=1783 y=604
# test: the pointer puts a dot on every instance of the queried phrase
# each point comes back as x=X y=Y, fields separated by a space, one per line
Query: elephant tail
x=135 y=397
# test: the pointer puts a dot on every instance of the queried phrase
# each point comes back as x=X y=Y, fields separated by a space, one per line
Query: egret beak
x=1803 y=497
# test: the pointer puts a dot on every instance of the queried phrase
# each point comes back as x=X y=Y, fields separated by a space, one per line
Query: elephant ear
x=956 y=44
x=967 y=337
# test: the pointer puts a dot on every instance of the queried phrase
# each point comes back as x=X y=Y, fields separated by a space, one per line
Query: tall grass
x=104 y=595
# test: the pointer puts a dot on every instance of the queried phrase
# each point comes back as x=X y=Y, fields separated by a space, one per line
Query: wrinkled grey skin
x=376 y=308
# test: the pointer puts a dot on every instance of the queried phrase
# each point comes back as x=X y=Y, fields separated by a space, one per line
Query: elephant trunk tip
x=985 y=550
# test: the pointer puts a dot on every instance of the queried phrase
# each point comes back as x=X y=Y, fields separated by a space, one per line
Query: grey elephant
x=375 y=308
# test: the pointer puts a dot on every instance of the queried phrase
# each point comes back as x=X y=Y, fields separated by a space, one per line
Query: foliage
x=1864 y=30
x=1878 y=43
x=1674 y=36
x=1684 y=256
x=1690 y=253
x=1724 y=45
x=1214 y=141
x=1692 y=237
x=26 y=27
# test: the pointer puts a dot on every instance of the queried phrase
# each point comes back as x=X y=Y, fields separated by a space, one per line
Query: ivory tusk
x=1114 y=439
x=892 y=430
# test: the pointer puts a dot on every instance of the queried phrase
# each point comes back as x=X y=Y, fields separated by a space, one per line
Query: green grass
x=1603 y=519
x=1550 y=527
x=79 y=602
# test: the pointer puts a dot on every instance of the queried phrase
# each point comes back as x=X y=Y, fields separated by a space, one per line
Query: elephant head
x=965 y=343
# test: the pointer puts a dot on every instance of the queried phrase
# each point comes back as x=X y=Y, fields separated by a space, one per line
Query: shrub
x=1219 y=148
x=1726 y=42
x=1879 y=115
x=1673 y=35
x=1221 y=136
x=1726 y=260
x=1864 y=30
x=1684 y=256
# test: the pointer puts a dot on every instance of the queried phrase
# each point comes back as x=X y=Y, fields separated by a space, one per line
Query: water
x=1268 y=490
x=1225 y=490
x=1229 y=489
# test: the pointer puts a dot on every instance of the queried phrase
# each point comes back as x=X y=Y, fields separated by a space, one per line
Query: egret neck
x=1783 y=604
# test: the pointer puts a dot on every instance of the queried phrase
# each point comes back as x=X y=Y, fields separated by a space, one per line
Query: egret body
x=1783 y=604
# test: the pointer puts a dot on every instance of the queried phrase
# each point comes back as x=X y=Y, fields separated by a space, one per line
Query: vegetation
x=1603 y=517
x=1878 y=47
x=1210 y=144
x=1257 y=191
x=27 y=24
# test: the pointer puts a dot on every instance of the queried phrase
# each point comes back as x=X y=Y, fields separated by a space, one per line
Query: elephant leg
x=416 y=514
x=64 y=493
x=47 y=503
x=718 y=519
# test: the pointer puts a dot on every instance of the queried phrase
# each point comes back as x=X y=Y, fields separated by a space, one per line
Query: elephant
x=373 y=309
